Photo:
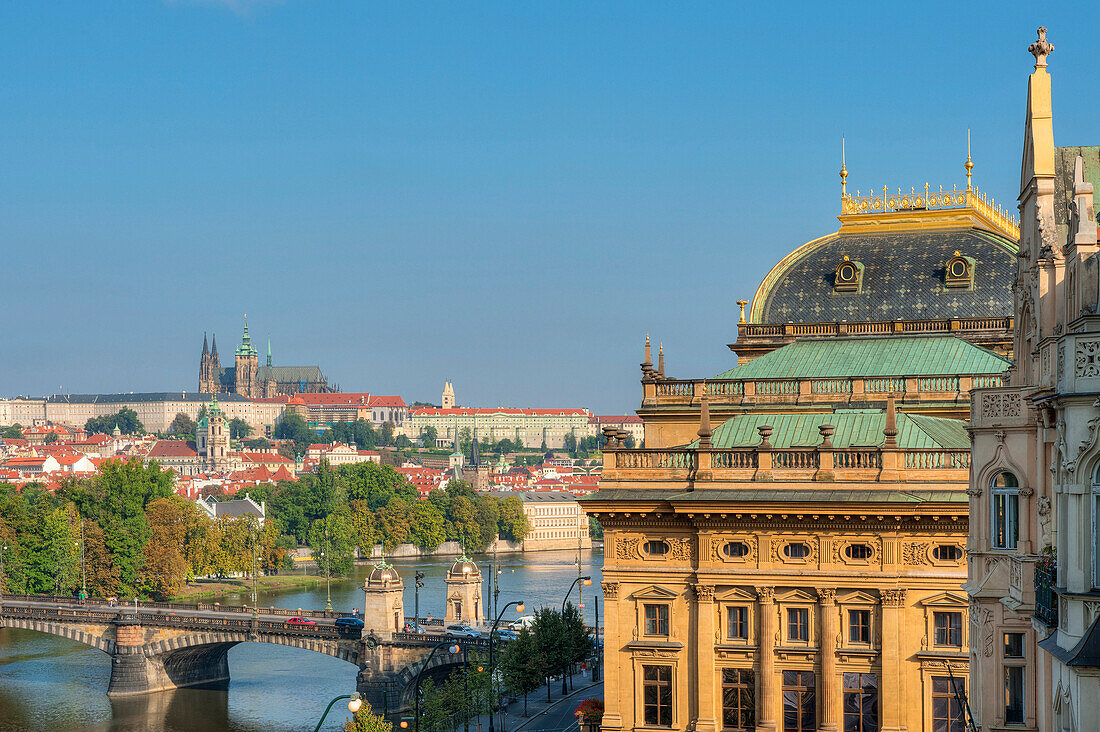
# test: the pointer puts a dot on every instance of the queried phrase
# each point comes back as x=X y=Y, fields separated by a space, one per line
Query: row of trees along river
x=126 y=534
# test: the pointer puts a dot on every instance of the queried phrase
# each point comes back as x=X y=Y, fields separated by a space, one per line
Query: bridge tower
x=384 y=601
x=464 y=593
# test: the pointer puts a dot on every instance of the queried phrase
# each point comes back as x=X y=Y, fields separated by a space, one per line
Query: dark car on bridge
x=301 y=622
x=349 y=623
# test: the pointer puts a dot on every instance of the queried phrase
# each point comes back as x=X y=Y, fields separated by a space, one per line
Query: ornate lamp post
x=353 y=707
x=492 y=662
x=325 y=555
x=3 y=577
x=585 y=580
x=452 y=648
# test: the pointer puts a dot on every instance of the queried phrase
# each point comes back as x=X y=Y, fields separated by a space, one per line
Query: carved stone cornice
x=893 y=598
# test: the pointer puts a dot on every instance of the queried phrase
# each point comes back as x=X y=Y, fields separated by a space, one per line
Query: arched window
x=1005 y=492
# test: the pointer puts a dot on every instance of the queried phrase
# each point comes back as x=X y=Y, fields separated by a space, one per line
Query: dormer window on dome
x=959 y=272
x=849 y=276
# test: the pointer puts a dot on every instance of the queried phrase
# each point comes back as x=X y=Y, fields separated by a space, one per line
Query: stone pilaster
x=768 y=688
x=892 y=683
x=613 y=705
x=829 y=689
x=705 y=702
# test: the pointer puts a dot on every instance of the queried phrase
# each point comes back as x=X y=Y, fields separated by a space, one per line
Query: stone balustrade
x=670 y=392
x=766 y=463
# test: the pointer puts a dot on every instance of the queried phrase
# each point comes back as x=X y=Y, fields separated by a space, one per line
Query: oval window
x=857 y=551
x=796 y=551
x=656 y=548
x=947 y=553
x=735 y=549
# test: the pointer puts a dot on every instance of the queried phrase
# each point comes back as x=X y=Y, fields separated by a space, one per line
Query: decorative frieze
x=1001 y=404
x=1086 y=361
x=893 y=598
x=914 y=552
x=610 y=590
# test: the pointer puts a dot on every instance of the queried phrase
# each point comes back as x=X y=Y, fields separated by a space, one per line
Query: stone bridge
x=159 y=646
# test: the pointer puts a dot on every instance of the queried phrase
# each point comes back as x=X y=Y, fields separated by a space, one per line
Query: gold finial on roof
x=843 y=172
x=969 y=163
x=1041 y=48
x=742 y=303
x=958 y=253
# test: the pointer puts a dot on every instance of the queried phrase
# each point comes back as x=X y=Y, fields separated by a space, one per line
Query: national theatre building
x=788 y=550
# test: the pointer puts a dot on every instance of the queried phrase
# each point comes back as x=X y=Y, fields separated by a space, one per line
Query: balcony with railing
x=672 y=392
x=1046 y=596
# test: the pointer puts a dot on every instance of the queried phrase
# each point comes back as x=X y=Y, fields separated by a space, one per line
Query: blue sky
x=507 y=195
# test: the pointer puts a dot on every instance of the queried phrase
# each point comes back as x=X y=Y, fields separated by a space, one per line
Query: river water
x=51 y=683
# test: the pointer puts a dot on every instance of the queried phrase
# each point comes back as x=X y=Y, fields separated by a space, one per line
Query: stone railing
x=874 y=327
x=667 y=391
x=766 y=463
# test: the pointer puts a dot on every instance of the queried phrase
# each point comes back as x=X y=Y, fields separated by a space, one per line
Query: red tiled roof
x=386 y=401
x=18 y=461
x=615 y=419
x=351 y=397
x=264 y=457
x=172 y=448
x=463 y=412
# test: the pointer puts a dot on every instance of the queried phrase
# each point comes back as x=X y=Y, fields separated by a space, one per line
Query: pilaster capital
x=826 y=596
x=765 y=595
x=610 y=590
x=704 y=593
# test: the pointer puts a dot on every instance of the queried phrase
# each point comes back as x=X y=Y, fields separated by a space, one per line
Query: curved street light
x=452 y=649
x=492 y=661
x=353 y=707
x=586 y=579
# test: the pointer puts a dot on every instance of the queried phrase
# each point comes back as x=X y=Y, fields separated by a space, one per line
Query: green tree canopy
x=239 y=429
x=126 y=419
x=182 y=425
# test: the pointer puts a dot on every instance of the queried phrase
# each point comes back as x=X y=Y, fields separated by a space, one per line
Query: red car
x=301 y=621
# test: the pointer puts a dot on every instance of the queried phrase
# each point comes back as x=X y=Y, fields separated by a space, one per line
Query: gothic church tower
x=209 y=368
x=247 y=382
x=448 y=401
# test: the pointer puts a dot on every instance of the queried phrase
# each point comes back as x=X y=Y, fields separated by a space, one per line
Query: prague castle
x=249 y=379
x=788 y=549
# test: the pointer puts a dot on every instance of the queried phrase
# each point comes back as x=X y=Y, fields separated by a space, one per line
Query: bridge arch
x=63 y=630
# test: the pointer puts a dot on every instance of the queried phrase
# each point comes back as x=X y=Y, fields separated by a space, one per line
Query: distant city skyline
x=507 y=197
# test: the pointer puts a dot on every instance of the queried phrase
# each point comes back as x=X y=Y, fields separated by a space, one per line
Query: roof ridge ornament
x=969 y=164
x=1041 y=48
x=843 y=172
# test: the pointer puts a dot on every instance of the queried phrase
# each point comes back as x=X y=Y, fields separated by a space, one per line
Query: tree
x=514 y=524
x=239 y=429
x=575 y=641
x=487 y=516
x=365 y=720
x=363 y=527
x=332 y=542
x=13 y=432
x=126 y=420
x=551 y=653
x=50 y=438
x=163 y=566
x=387 y=433
x=595 y=529
x=103 y=580
x=428 y=436
x=570 y=443
x=292 y=427
x=427 y=530
x=182 y=425
x=258 y=444
x=519 y=666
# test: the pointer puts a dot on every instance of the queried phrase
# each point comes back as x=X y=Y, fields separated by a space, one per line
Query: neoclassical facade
x=787 y=552
x=1034 y=569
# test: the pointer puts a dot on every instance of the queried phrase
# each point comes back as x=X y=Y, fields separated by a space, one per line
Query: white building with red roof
x=531 y=427
x=322 y=410
x=340 y=454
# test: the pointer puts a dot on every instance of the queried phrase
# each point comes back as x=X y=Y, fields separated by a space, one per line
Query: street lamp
x=3 y=577
x=492 y=661
x=418 y=579
x=452 y=648
x=353 y=707
x=328 y=587
x=585 y=580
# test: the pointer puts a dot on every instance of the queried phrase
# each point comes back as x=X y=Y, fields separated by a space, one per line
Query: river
x=51 y=683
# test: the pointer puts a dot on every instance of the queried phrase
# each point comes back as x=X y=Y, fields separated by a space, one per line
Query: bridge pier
x=134 y=671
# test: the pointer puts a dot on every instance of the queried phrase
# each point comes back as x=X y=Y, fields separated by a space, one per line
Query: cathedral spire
x=205 y=346
x=214 y=349
x=269 y=351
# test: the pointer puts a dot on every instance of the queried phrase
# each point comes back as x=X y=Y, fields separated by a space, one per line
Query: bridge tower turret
x=464 y=593
x=383 y=601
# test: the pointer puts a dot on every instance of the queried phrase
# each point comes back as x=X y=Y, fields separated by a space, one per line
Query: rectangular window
x=738 y=700
x=1006 y=522
x=1014 y=645
x=799 y=704
x=949 y=630
x=947 y=709
x=1014 y=694
x=859 y=626
x=798 y=624
x=657 y=695
x=860 y=703
x=656 y=619
x=737 y=623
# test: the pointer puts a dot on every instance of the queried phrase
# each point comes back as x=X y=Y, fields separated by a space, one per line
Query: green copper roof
x=854 y=428
x=878 y=356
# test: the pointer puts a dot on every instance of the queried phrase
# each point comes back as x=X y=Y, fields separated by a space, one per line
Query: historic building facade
x=1034 y=568
x=249 y=379
x=799 y=565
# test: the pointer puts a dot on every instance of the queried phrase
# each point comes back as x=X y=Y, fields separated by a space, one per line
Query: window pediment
x=946 y=599
x=653 y=592
x=859 y=598
x=796 y=596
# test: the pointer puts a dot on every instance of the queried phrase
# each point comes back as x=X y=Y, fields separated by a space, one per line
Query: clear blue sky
x=508 y=195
